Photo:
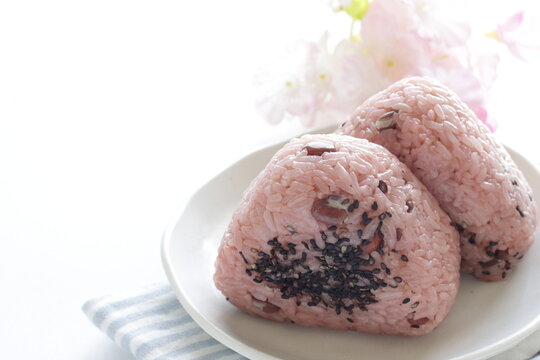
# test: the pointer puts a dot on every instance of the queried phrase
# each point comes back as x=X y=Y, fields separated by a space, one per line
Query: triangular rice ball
x=470 y=173
x=336 y=232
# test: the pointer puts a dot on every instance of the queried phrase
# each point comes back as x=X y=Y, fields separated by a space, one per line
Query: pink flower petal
x=511 y=24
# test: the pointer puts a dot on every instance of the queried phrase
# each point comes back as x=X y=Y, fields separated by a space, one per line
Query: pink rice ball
x=458 y=159
x=336 y=232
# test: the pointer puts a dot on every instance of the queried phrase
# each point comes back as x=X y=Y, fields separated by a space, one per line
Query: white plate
x=486 y=319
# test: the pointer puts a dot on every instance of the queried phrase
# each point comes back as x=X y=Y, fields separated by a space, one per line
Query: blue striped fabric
x=152 y=325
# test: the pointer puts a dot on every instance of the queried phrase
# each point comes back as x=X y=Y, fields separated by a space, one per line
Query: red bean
x=318 y=148
x=326 y=214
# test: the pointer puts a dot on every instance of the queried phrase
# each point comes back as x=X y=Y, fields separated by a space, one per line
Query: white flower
x=514 y=33
x=296 y=85
x=398 y=38
x=356 y=77
x=388 y=36
x=432 y=22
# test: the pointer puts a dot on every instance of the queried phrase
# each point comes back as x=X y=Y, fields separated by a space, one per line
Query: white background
x=111 y=114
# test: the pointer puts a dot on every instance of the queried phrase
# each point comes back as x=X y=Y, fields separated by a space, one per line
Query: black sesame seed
x=350 y=320
x=248 y=272
x=356 y=204
x=521 y=213
x=520 y=257
x=380 y=251
x=399 y=234
x=398 y=279
x=337 y=276
x=383 y=187
x=415 y=326
x=485 y=272
x=514 y=182
x=406 y=300
x=366 y=219
x=404 y=258
x=359 y=233
x=342 y=240
x=493 y=243
x=459 y=227
x=227 y=298
x=323 y=236
x=472 y=239
x=243 y=257
x=332 y=228
x=350 y=208
x=374 y=206
x=490 y=253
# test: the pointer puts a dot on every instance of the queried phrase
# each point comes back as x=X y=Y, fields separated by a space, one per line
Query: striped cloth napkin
x=152 y=325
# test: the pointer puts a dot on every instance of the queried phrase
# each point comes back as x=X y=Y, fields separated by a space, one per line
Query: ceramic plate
x=486 y=319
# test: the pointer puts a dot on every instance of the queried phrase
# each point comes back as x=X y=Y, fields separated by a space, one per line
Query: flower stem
x=351 y=29
x=352 y=35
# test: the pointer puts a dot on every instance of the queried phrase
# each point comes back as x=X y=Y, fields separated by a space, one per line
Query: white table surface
x=111 y=114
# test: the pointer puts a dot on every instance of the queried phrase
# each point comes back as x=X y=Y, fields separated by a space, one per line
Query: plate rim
x=253 y=353
x=211 y=329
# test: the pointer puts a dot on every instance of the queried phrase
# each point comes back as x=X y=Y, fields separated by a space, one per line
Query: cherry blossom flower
x=508 y=33
x=297 y=84
x=432 y=23
x=387 y=38
x=396 y=39
x=356 y=78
